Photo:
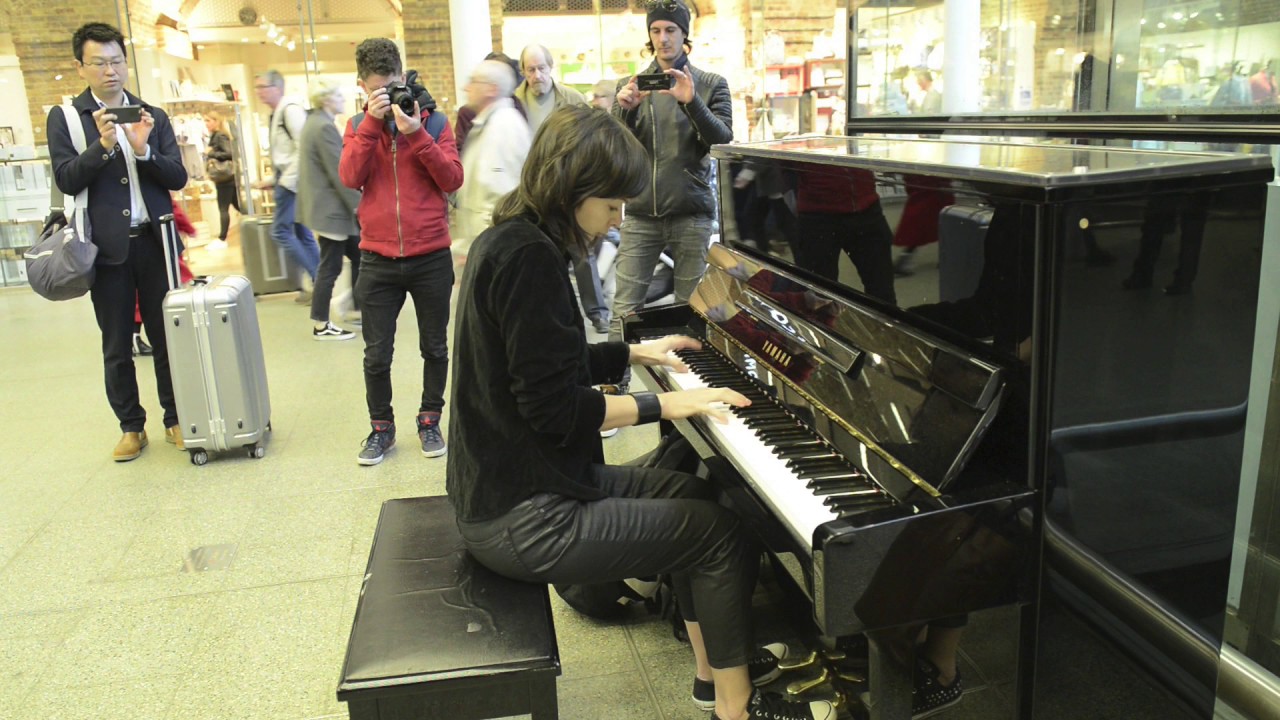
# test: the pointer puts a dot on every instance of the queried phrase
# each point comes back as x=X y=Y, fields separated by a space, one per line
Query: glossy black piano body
x=911 y=410
x=965 y=392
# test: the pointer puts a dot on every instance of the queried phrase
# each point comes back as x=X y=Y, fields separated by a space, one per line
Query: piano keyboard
x=805 y=481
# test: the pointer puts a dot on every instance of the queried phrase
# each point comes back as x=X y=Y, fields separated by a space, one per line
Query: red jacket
x=403 y=211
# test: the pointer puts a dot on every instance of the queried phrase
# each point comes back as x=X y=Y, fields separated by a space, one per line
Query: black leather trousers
x=655 y=521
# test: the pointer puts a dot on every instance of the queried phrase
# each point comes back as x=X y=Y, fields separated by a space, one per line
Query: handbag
x=220 y=171
x=60 y=266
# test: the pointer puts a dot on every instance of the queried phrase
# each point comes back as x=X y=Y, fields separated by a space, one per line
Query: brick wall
x=798 y=21
x=428 y=48
x=42 y=41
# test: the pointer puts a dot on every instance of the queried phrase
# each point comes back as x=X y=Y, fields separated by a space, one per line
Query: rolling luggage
x=215 y=358
x=962 y=234
x=267 y=266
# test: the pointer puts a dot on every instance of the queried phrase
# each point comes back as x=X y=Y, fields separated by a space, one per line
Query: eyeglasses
x=117 y=64
x=661 y=5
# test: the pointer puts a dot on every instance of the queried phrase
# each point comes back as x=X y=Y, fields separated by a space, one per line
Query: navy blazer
x=107 y=176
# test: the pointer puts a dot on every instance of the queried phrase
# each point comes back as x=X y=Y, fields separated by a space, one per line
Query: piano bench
x=438 y=635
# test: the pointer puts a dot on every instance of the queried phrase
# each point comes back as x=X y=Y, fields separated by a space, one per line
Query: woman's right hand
x=711 y=402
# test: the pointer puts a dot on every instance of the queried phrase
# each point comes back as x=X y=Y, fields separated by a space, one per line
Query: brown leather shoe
x=173 y=436
x=130 y=446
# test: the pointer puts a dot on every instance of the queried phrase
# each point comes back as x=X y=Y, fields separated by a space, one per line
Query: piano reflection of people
x=839 y=209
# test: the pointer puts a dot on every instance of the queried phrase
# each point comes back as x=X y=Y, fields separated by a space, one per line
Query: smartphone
x=126 y=114
x=654 y=81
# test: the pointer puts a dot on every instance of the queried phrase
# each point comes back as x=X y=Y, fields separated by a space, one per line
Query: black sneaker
x=929 y=696
x=772 y=706
x=331 y=332
x=429 y=433
x=140 y=346
x=762 y=667
x=380 y=440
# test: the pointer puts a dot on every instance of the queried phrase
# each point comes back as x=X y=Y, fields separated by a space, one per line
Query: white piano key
x=778 y=485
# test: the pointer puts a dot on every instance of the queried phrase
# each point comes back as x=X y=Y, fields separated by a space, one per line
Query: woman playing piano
x=526 y=476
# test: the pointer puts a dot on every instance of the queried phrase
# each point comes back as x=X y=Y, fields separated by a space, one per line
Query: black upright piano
x=896 y=457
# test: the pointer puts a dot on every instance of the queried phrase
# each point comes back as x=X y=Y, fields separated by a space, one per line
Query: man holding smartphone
x=129 y=169
x=677 y=122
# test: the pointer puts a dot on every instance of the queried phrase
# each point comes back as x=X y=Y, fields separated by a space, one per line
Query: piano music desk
x=437 y=635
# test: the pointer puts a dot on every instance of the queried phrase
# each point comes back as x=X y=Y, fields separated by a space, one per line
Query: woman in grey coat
x=326 y=205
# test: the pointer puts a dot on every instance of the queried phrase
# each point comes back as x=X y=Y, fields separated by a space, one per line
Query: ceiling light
x=57 y=77
x=271 y=33
x=324 y=37
x=1177 y=16
x=290 y=45
x=244 y=39
x=1161 y=25
x=280 y=40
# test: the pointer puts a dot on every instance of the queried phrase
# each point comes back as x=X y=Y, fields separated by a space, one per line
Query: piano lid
x=917 y=401
x=1039 y=164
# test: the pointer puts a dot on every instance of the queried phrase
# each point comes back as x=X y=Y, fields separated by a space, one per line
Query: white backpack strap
x=81 y=199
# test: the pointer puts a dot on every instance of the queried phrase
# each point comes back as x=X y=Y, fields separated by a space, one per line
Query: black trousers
x=864 y=236
x=115 y=287
x=227 y=197
x=331 y=254
x=384 y=282
x=655 y=521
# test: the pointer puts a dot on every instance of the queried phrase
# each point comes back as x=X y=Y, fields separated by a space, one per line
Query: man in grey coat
x=326 y=205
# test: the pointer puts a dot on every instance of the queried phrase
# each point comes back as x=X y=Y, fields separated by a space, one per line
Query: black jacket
x=524 y=418
x=107 y=175
x=678 y=139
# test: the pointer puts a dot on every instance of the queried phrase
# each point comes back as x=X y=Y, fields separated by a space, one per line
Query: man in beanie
x=677 y=128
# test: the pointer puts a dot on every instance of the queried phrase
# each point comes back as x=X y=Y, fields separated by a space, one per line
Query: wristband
x=649 y=406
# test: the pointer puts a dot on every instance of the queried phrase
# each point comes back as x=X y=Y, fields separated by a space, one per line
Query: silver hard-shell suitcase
x=267 y=266
x=215 y=359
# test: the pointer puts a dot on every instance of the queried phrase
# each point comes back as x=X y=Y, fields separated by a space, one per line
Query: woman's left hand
x=658 y=352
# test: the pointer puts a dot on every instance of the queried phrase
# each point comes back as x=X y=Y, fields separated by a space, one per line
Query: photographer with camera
x=400 y=153
x=692 y=111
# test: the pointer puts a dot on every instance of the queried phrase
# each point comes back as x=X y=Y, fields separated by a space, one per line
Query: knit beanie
x=672 y=10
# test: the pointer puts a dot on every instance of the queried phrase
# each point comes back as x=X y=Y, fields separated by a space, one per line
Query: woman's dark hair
x=377 y=56
x=101 y=33
x=579 y=152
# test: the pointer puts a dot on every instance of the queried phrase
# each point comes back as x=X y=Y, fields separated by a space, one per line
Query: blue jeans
x=383 y=284
x=295 y=239
x=643 y=239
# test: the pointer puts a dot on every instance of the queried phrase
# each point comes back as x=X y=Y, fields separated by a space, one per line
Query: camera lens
x=399 y=94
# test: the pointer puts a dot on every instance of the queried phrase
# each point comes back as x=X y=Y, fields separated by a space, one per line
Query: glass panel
x=1214 y=56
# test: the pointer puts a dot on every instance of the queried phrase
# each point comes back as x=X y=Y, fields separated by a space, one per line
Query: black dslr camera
x=402 y=95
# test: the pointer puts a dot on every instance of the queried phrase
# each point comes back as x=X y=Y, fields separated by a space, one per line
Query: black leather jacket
x=678 y=139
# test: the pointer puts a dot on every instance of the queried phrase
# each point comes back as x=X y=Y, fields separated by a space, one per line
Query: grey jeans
x=654 y=522
x=643 y=239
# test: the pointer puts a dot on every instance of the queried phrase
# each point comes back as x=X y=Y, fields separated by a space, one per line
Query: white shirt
x=492 y=159
x=138 y=214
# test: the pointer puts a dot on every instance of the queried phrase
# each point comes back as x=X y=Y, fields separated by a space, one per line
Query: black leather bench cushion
x=428 y=612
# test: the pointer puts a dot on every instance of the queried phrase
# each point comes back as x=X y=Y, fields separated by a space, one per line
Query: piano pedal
x=799 y=662
x=801 y=687
x=835 y=655
x=850 y=676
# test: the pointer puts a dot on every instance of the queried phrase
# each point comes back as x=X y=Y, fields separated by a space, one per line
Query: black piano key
x=802 y=452
x=776 y=437
x=803 y=448
x=841 y=504
x=818 y=463
x=835 y=488
x=820 y=475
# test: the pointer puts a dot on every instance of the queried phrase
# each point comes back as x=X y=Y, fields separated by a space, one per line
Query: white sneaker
x=331 y=332
x=608 y=433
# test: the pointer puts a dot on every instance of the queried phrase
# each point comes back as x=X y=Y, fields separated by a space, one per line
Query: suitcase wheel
x=199 y=457
x=256 y=451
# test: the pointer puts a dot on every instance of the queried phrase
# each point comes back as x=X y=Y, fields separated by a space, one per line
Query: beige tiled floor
x=99 y=621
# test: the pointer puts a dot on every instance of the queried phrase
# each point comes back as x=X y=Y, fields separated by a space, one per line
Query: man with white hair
x=496 y=148
x=540 y=93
